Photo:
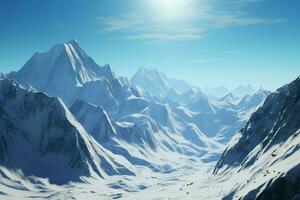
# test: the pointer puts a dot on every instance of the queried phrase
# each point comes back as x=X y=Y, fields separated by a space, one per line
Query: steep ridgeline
x=152 y=129
x=151 y=81
x=219 y=118
x=221 y=91
x=224 y=117
x=125 y=119
x=68 y=72
x=40 y=137
x=119 y=116
x=253 y=100
x=268 y=148
x=158 y=84
x=242 y=90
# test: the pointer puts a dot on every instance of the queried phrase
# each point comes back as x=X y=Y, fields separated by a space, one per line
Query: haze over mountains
x=221 y=91
x=158 y=84
x=62 y=106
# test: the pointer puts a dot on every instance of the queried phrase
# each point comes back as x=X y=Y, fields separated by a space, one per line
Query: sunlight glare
x=171 y=9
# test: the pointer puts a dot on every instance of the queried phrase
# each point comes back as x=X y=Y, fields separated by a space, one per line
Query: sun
x=171 y=9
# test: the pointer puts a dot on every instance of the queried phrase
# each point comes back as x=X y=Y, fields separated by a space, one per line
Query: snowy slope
x=229 y=99
x=242 y=90
x=152 y=81
x=253 y=100
x=219 y=118
x=94 y=119
x=41 y=137
x=153 y=130
x=67 y=62
x=157 y=84
x=268 y=146
x=120 y=138
x=224 y=117
x=138 y=120
x=82 y=78
x=2 y=75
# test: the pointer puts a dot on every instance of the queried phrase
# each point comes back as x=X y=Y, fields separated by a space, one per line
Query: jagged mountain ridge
x=114 y=95
x=134 y=126
x=37 y=129
x=269 y=142
x=150 y=130
x=81 y=76
x=124 y=102
x=220 y=91
x=157 y=83
x=133 y=132
x=63 y=61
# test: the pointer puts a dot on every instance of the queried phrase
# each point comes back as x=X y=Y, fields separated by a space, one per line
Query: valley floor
x=193 y=182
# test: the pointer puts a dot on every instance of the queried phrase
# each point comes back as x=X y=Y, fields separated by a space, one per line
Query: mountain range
x=238 y=91
x=268 y=148
x=65 y=118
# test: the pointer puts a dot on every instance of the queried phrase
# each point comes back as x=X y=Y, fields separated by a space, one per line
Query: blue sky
x=206 y=42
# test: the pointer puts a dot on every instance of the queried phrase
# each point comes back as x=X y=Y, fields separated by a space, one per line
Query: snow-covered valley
x=71 y=129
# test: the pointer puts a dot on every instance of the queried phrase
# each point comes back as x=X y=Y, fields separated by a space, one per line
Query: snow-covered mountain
x=268 y=147
x=223 y=118
x=201 y=105
x=40 y=137
x=229 y=99
x=2 y=75
x=122 y=102
x=94 y=119
x=150 y=124
x=158 y=84
x=152 y=81
x=180 y=85
x=242 y=90
x=219 y=91
x=185 y=112
x=66 y=71
x=66 y=62
x=155 y=128
x=131 y=110
x=253 y=100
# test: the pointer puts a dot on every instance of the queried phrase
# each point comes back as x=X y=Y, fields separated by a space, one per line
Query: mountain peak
x=141 y=69
x=66 y=62
x=73 y=41
x=148 y=71
x=152 y=81
x=75 y=45
x=242 y=90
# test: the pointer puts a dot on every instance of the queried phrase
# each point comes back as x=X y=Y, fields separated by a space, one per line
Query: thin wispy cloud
x=191 y=26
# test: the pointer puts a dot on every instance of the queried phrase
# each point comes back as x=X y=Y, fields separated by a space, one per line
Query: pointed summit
x=254 y=100
x=73 y=42
x=152 y=81
x=242 y=90
x=61 y=69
